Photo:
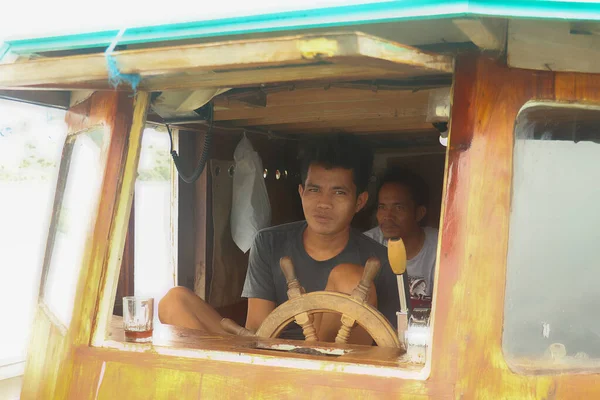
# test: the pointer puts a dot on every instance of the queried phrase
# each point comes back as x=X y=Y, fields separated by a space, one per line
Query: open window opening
x=397 y=124
x=31 y=139
x=148 y=266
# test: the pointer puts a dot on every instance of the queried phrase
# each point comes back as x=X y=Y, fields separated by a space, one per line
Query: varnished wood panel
x=114 y=110
x=469 y=302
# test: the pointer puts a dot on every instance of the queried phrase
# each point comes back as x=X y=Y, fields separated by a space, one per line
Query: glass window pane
x=31 y=139
x=84 y=159
x=552 y=294
x=154 y=262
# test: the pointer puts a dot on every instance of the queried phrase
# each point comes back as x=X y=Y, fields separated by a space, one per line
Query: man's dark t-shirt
x=264 y=279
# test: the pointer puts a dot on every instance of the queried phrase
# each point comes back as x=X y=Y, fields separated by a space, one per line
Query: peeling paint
x=102 y=370
x=545 y=330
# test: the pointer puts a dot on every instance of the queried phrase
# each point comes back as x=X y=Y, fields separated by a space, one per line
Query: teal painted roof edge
x=4 y=48
x=388 y=11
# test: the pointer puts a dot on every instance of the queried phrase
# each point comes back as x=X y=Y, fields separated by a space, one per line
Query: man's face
x=397 y=214
x=329 y=199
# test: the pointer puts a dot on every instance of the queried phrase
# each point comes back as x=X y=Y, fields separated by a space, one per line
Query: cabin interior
x=390 y=117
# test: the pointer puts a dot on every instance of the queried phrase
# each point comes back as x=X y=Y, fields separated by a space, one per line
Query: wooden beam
x=255 y=77
x=319 y=72
x=487 y=34
x=296 y=97
x=380 y=52
x=371 y=85
x=256 y=98
x=197 y=65
x=320 y=108
x=550 y=46
x=320 y=112
x=372 y=125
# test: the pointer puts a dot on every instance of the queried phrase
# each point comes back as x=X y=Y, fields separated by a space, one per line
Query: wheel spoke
x=344 y=333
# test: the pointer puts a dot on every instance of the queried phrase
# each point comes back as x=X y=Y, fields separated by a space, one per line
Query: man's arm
x=259 y=287
x=258 y=310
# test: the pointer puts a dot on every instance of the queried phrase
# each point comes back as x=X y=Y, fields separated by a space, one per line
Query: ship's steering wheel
x=301 y=306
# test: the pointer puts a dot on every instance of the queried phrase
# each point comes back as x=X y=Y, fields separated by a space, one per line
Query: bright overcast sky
x=31 y=18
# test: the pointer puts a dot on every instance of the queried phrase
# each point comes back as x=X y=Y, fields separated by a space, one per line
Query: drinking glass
x=138 y=313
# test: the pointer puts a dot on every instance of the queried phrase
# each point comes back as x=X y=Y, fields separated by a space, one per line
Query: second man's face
x=397 y=214
x=329 y=199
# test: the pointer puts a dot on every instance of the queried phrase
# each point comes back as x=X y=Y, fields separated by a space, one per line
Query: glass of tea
x=138 y=313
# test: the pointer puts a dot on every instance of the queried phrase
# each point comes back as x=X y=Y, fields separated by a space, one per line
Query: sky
x=36 y=18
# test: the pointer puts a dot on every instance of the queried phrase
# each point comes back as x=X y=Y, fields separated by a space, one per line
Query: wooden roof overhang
x=243 y=63
x=336 y=82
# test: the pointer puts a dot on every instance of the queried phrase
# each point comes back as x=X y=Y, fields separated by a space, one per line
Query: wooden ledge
x=168 y=339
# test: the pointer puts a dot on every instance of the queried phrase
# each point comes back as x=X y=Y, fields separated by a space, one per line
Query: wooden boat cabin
x=496 y=106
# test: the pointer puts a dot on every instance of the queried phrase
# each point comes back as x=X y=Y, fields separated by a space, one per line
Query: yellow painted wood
x=123 y=381
x=397 y=256
x=337 y=393
x=49 y=376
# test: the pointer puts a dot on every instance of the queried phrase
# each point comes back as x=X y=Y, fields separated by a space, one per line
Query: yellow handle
x=397 y=256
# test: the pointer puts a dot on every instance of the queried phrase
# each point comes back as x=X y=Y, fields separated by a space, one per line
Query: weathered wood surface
x=234 y=63
x=121 y=218
x=552 y=46
x=471 y=273
x=50 y=364
x=485 y=33
x=173 y=337
x=466 y=359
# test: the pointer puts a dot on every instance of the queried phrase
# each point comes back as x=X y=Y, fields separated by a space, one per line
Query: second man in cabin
x=402 y=203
